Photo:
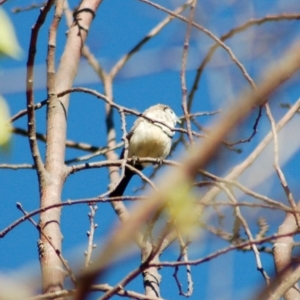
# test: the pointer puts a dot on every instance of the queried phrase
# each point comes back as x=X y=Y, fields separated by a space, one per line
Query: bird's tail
x=119 y=190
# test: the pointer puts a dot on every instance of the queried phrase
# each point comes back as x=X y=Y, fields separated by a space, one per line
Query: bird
x=148 y=138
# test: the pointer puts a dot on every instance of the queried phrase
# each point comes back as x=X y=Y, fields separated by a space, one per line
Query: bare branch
x=56 y=133
x=17 y=167
x=208 y=33
x=183 y=71
x=224 y=251
x=94 y=288
x=248 y=233
x=68 y=203
x=156 y=30
x=70 y=144
x=277 y=166
x=29 y=89
x=197 y=157
x=90 y=234
x=26 y=8
x=184 y=255
x=57 y=251
x=239 y=169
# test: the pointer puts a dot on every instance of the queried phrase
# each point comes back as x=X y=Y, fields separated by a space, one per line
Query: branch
x=183 y=71
x=155 y=31
x=24 y=112
x=90 y=234
x=194 y=160
x=230 y=34
x=122 y=108
x=208 y=33
x=69 y=143
x=184 y=255
x=249 y=235
x=41 y=246
x=53 y=278
x=17 y=167
x=29 y=89
x=94 y=288
x=247 y=191
x=68 y=203
x=228 y=249
x=239 y=169
x=280 y=174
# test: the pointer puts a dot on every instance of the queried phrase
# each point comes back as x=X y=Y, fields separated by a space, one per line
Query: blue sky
x=151 y=76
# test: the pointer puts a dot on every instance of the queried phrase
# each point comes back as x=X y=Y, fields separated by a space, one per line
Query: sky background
x=152 y=76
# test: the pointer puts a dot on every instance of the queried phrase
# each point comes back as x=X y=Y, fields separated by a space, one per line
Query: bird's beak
x=178 y=120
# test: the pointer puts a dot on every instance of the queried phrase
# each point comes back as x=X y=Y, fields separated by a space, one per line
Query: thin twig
x=94 y=288
x=200 y=114
x=69 y=143
x=104 y=199
x=251 y=205
x=184 y=254
x=279 y=172
x=121 y=284
x=240 y=168
x=120 y=64
x=24 y=112
x=183 y=71
x=230 y=34
x=68 y=203
x=226 y=36
x=248 y=233
x=126 y=144
x=16 y=167
x=143 y=177
x=57 y=251
x=208 y=33
x=90 y=234
x=224 y=251
x=99 y=151
x=142 y=268
x=254 y=131
x=121 y=108
x=245 y=190
x=26 y=8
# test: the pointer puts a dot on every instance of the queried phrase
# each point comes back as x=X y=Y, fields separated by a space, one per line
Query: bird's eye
x=168 y=109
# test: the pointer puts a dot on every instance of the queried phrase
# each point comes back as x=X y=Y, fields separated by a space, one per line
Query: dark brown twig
x=29 y=88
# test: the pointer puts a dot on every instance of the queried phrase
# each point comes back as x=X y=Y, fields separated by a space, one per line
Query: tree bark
x=53 y=273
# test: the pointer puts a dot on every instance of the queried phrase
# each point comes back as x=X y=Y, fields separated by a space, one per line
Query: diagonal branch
x=120 y=64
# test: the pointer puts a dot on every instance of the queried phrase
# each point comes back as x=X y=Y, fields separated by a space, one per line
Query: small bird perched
x=148 y=139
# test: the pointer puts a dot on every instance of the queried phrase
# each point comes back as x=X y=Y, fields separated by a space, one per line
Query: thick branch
x=52 y=271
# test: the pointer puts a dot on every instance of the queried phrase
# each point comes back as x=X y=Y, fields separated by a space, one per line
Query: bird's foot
x=135 y=160
x=159 y=161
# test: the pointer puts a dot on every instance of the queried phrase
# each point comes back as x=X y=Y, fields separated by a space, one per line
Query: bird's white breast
x=149 y=140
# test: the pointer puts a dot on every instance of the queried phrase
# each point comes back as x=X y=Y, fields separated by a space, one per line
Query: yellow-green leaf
x=5 y=131
x=182 y=208
x=8 y=41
